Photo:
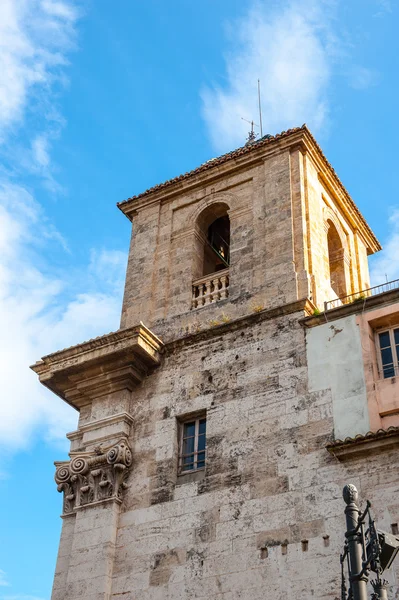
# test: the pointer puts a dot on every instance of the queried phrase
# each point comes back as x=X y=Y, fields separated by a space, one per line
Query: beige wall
x=336 y=363
x=165 y=248
x=323 y=206
x=342 y=355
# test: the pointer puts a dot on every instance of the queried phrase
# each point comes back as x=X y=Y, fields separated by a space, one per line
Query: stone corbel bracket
x=94 y=477
x=107 y=364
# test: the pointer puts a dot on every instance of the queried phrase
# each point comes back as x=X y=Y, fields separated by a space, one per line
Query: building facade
x=252 y=377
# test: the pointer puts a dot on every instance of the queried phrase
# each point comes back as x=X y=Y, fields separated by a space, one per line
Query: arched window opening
x=336 y=261
x=211 y=256
x=217 y=246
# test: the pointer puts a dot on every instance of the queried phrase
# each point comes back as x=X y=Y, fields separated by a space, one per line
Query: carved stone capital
x=93 y=477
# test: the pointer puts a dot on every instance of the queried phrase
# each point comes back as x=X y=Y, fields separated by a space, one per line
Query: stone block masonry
x=269 y=482
x=264 y=519
x=256 y=522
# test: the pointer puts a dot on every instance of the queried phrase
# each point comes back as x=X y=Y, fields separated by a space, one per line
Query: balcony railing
x=210 y=289
x=360 y=296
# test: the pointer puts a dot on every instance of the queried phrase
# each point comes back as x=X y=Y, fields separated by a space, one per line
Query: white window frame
x=395 y=355
x=194 y=419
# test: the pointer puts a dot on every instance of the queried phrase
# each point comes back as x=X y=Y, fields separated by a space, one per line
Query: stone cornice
x=114 y=419
x=109 y=363
x=297 y=139
x=303 y=305
x=211 y=170
x=363 y=305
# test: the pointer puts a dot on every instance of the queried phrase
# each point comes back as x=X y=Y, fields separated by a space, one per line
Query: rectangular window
x=192 y=445
x=389 y=352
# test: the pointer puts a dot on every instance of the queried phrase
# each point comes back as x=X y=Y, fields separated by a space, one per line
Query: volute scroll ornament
x=96 y=476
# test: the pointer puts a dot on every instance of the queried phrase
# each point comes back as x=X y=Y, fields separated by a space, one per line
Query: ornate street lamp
x=366 y=549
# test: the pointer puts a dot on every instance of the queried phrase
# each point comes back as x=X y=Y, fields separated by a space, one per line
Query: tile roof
x=213 y=162
x=247 y=149
x=369 y=436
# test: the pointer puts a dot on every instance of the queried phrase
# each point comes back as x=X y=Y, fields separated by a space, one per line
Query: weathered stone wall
x=266 y=519
x=279 y=209
x=162 y=260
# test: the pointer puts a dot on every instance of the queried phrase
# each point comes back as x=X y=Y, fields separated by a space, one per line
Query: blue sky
x=101 y=100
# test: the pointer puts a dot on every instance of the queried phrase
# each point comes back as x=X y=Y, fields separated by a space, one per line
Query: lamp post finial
x=350 y=494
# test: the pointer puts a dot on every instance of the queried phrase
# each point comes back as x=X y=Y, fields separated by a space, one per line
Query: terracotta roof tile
x=370 y=435
x=248 y=148
x=213 y=162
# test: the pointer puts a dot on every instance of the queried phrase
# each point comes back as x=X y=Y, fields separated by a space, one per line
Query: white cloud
x=289 y=49
x=40 y=148
x=108 y=266
x=361 y=78
x=39 y=315
x=40 y=311
x=3 y=578
x=385 y=265
x=385 y=7
x=34 y=37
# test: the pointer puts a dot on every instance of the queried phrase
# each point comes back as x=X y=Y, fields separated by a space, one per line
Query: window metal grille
x=389 y=352
x=192 y=445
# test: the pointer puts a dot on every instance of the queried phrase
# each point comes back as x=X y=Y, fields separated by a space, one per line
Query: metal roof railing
x=363 y=295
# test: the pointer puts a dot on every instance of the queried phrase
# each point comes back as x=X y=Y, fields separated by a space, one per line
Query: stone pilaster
x=97 y=378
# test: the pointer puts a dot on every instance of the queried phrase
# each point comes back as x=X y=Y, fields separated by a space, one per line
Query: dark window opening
x=336 y=261
x=217 y=247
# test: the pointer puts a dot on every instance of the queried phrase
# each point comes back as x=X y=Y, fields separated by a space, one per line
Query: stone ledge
x=106 y=364
x=386 y=298
x=364 y=444
x=302 y=305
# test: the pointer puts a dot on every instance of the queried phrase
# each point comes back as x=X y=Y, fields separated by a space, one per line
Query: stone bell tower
x=200 y=439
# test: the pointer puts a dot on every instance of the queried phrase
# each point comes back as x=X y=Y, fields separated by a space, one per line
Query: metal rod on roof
x=260 y=110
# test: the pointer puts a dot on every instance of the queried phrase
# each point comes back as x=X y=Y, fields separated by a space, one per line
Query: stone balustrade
x=210 y=289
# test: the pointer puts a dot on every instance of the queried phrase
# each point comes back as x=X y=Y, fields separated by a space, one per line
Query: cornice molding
x=365 y=305
x=106 y=364
x=296 y=139
x=303 y=305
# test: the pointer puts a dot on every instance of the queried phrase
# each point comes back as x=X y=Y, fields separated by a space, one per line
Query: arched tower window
x=336 y=253
x=217 y=246
x=211 y=255
x=213 y=240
